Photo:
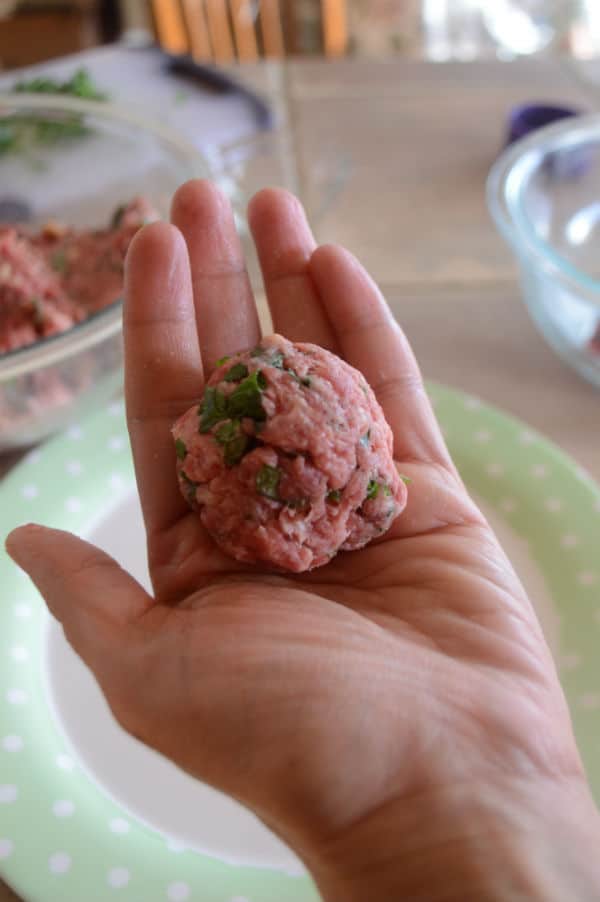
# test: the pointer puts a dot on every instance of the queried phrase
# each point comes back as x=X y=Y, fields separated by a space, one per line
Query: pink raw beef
x=288 y=458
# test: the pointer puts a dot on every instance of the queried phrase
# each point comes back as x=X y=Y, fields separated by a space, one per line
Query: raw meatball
x=288 y=458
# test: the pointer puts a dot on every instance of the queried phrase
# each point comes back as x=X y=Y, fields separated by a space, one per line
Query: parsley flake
x=180 y=448
x=245 y=401
x=238 y=371
x=372 y=490
x=267 y=482
x=58 y=262
x=213 y=408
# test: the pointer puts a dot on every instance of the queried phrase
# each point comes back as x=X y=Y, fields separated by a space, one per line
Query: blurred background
x=224 y=30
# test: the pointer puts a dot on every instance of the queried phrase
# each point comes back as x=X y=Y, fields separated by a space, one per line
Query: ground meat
x=288 y=458
x=52 y=279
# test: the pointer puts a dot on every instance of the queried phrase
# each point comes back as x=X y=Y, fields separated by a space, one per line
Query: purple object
x=526 y=119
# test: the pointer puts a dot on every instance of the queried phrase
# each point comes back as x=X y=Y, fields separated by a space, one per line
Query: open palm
x=411 y=666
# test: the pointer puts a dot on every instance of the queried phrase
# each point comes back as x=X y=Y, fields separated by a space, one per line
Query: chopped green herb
x=38 y=311
x=20 y=131
x=58 y=262
x=238 y=371
x=257 y=351
x=117 y=216
x=298 y=503
x=267 y=482
x=277 y=360
x=405 y=479
x=386 y=490
x=222 y=360
x=235 y=449
x=245 y=400
x=180 y=448
x=334 y=496
x=227 y=431
x=301 y=380
x=372 y=490
x=235 y=441
x=366 y=439
x=190 y=484
x=365 y=389
x=213 y=408
x=180 y=97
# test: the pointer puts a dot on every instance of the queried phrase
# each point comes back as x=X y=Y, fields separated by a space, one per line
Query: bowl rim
x=106 y=322
x=504 y=185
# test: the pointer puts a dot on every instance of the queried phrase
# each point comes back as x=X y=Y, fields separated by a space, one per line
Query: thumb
x=85 y=589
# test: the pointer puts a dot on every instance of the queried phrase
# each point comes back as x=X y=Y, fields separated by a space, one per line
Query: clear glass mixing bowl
x=544 y=195
x=79 y=180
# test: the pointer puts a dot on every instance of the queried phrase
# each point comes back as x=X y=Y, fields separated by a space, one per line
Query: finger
x=163 y=369
x=371 y=340
x=284 y=243
x=84 y=588
x=225 y=309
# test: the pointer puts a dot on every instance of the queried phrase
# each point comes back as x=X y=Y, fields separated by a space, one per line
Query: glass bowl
x=544 y=195
x=81 y=179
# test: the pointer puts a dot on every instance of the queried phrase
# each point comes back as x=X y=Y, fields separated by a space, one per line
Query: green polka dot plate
x=87 y=813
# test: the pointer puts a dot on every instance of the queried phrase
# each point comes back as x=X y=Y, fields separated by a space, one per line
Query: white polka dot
x=494 y=469
x=539 y=471
x=8 y=793
x=19 y=653
x=22 y=610
x=178 y=892
x=116 y=443
x=16 y=696
x=73 y=505
x=508 y=505
x=75 y=432
x=33 y=457
x=64 y=762
x=30 y=491
x=569 y=661
x=63 y=808
x=173 y=845
x=116 y=481
x=526 y=437
x=472 y=403
x=12 y=743
x=482 y=436
x=116 y=408
x=7 y=847
x=587 y=578
x=569 y=541
x=553 y=505
x=589 y=701
x=74 y=467
x=118 y=877
x=59 y=863
x=119 y=825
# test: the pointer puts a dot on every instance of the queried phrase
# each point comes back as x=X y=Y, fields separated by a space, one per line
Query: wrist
x=534 y=841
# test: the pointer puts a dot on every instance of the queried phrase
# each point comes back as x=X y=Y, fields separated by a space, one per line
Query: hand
x=394 y=707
